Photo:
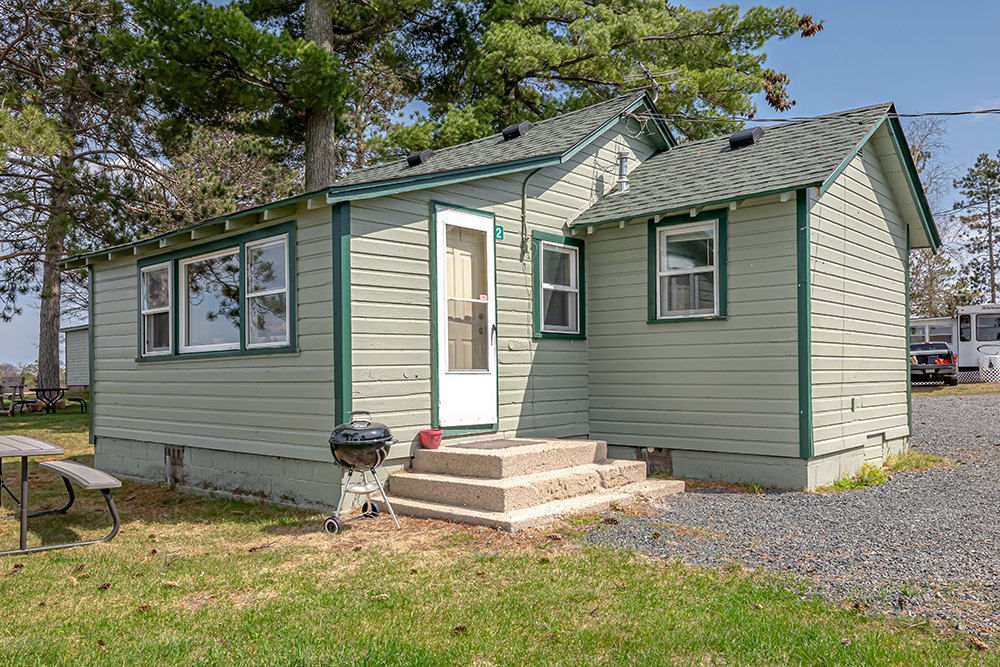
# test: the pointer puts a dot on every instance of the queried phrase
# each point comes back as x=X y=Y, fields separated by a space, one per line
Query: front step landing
x=540 y=515
x=519 y=483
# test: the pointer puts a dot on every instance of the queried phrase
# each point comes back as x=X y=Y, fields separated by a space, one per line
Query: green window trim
x=721 y=270
x=537 y=238
x=239 y=243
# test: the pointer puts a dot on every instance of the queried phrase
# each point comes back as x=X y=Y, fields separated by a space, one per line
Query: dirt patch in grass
x=701 y=485
x=965 y=389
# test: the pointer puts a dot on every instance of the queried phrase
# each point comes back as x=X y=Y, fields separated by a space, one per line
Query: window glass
x=267 y=293
x=212 y=289
x=940 y=333
x=917 y=334
x=987 y=327
x=266 y=267
x=965 y=328
x=687 y=250
x=155 y=288
x=465 y=256
x=560 y=290
x=686 y=276
x=468 y=338
x=556 y=266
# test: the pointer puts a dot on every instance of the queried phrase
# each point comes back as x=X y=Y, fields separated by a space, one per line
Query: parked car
x=930 y=362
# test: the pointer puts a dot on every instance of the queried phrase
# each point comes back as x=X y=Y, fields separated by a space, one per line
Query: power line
x=843 y=115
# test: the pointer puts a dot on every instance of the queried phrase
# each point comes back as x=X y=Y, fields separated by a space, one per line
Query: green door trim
x=804 y=309
x=342 y=357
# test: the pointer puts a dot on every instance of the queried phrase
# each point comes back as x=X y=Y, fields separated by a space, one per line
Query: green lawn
x=197 y=580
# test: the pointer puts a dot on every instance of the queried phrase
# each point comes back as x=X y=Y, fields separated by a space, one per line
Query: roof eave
x=673 y=210
x=232 y=222
x=913 y=181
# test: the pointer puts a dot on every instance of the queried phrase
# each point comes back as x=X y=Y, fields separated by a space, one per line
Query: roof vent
x=515 y=131
x=413 y=159
x=747 y=137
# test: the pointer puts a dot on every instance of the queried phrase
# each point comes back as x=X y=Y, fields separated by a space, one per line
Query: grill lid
x=360 y=431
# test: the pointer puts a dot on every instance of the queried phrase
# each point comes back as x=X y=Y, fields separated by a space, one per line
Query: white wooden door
x=466 y=318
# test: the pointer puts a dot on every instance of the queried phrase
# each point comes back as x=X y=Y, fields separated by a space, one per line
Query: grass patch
x=969 y=389
x=198 y=580
x=913 y=460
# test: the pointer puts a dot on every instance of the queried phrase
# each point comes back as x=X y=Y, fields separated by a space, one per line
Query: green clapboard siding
x=542 y=382
x=859 y=335
x=726 y=385
x=277 y=405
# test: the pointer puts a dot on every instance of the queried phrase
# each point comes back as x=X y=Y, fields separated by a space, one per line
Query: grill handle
x=361 y=412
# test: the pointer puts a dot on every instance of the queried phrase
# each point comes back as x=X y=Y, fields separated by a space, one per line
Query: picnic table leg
x=24 y=502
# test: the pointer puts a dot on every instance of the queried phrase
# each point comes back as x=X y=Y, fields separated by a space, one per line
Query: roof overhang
x=890 y=143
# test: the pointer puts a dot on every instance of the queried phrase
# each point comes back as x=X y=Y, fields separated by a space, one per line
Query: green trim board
x=913 y=181
x=722 y=270
x=469 y=430
x=537 y=238
x=906 y=341
x=803 y=255
x=238 y=242
x=90 y=352
x=343 y=363
x=435 y=352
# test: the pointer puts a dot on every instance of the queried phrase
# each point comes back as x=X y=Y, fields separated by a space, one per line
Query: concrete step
x=502 y=459
x=516 y=493
x=540 y=515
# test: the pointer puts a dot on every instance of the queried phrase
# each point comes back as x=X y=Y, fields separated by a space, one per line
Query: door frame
x=435 y=332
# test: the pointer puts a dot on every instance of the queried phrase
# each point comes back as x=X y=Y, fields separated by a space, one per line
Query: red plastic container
x=430 y=438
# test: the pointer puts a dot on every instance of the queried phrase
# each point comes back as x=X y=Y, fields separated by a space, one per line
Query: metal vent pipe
x=623 y=171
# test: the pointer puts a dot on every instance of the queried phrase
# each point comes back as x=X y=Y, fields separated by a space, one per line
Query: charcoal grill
x=360 y=445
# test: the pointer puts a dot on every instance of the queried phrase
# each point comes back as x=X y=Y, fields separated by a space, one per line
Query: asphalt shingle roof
x=551 y=136
x=791 y=155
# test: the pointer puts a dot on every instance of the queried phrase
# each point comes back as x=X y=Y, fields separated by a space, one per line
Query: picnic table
x=24 y=447
x=13 y=446
x=50 y=397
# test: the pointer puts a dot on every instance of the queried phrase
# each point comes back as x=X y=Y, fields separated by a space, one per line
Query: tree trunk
x=51 y=296
x=48 y=329
x=321 y=138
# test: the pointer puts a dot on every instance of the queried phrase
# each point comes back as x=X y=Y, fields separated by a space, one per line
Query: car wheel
x=951 y=382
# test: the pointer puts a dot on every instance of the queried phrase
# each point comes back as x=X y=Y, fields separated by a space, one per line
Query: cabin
x=735 y=307
x=77 y=349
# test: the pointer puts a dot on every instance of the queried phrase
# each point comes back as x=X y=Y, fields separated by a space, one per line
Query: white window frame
x=573 y=288
x=270 y=241
x=182 y=294
x=143 y=311
x=671 y=230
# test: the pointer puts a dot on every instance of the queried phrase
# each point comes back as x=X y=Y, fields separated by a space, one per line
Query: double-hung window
x=267 y=293
x=687 y=269
x=155 y=285
x=232 y=297
x=559 y=299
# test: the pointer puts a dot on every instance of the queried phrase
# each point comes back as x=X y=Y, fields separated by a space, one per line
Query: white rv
x=973 y=333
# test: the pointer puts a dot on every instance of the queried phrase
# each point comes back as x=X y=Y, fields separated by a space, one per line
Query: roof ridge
x=832 y=114
x=622 y=98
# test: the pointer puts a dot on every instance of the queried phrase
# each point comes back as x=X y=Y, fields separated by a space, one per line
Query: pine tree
x=980 y=207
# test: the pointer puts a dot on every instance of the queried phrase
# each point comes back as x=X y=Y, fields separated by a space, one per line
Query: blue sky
x=924 y=56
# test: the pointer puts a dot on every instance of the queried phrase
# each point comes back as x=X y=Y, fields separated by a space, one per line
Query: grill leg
x=386 y=499
x=343 y=493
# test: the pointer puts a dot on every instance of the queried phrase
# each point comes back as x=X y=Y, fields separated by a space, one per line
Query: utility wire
x=843 y=115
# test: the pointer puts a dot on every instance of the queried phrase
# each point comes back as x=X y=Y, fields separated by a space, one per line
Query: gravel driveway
x=923 y=544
